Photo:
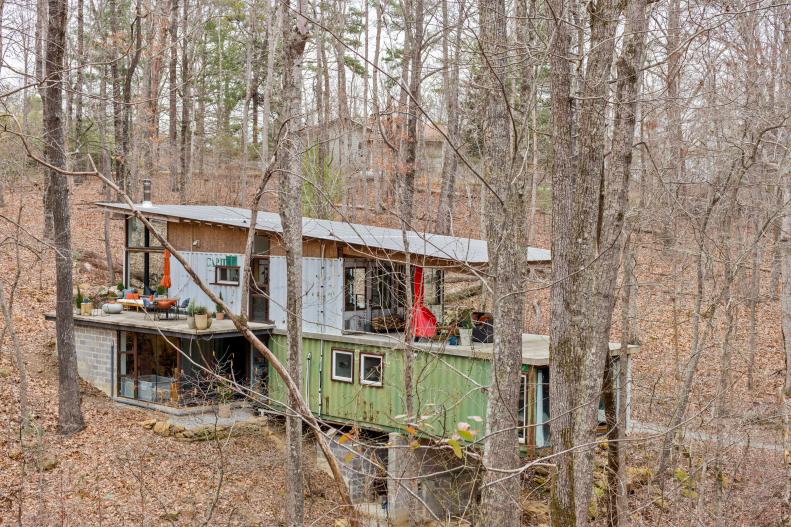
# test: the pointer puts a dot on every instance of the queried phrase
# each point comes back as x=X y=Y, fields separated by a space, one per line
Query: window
x=371 y=369
x=542 y=408
x=144 y=256
x=523 y=384
x=259 y=290
x=261 y=244
x=225 y=274
x=432 y=287
x=354 y=289
x=343 y=366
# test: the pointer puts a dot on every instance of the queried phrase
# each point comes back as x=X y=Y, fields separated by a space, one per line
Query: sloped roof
x=453 y=248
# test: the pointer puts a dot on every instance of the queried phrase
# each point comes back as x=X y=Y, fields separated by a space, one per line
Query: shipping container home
x=354 y=290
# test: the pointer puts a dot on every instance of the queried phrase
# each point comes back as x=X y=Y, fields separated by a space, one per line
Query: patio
x=140 y=321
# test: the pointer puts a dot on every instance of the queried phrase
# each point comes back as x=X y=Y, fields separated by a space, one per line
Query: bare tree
x=506 y=232
x=70 y=418
x=294 y=40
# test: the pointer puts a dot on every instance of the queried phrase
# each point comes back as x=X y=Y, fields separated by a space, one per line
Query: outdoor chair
x=148 y=307
x=181 y=307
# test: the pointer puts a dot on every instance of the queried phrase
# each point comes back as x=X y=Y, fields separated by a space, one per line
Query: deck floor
x=131 y=320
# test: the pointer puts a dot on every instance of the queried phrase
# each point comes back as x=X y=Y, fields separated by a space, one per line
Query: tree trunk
x=785 y=306
x=294 y=40
x=173 y=157
x=186 y=105
x=450 y=80
x=70 y=418
x=506 y=229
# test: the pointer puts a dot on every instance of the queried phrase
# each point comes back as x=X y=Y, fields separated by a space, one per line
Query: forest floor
x=117 y=472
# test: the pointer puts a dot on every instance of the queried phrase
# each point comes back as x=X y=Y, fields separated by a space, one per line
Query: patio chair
x=148 y=307
x=181 y=307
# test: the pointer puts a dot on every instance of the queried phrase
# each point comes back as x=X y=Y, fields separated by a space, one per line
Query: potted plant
x=78 y=300
x=162 y=290
x=191 y=314
x=201 y=318
x=219 y=313
x=465 y=328
x=86 y=305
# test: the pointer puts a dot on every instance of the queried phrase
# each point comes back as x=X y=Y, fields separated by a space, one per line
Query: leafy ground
x=115 y=472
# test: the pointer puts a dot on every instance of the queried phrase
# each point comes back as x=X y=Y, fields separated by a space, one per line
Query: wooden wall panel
x=212 y=238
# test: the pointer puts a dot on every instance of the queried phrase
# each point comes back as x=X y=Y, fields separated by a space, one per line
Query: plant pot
x=112 y=309
x=201 y=322
x=220 y=315
x=190 y=321
x=465 y=336
x=86 y=308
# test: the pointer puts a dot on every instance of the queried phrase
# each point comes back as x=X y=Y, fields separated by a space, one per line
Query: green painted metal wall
x=449 y=389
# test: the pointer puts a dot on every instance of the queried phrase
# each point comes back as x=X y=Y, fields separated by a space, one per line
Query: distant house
x=354 y=288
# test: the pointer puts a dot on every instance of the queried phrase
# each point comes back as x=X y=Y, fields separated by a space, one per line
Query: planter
x=190 y=321
x=220 y=315
x=86 y=308
x=201 y=322
x=465 y=336
x=112 y=309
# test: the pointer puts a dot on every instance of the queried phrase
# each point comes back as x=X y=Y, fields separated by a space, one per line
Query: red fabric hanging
x=166 y=270
x=424 y=323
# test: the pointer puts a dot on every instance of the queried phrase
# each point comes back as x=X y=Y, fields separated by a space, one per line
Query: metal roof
x=464 y=250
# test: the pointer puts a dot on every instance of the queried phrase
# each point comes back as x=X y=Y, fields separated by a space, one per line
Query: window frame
x=366 y=382
x=333 y=375
x=364 y=293
x=524 y=387
x=217 y=280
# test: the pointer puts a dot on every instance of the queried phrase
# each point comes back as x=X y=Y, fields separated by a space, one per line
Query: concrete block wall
x=444 y=483
x=95 y=350
x=360 y=466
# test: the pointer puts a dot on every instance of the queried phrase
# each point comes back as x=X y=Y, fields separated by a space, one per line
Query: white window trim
x=365 y=381
x=226 y=282
x=522 y=432
x=336 y=377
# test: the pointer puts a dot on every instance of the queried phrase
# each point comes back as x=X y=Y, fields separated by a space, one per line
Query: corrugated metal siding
x=449 y=387
x=182 y=285
x=277 y=291
x=322 y=294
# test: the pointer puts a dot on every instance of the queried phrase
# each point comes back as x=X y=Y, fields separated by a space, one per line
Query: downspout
x=323 y=296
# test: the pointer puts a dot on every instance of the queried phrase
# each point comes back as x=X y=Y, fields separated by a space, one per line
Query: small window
x=342 y=366
x=371 y=369
x=261 y=244
x=225 y=274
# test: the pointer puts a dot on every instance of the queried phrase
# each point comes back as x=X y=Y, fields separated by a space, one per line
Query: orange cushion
x=132 y=296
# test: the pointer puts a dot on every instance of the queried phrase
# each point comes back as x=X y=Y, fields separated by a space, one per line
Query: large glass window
x=354 y=289
x=432 y=287
x=147 y=367
x=144 y=255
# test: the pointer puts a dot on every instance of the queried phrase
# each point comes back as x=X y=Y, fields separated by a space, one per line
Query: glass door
x=127 y=366
x=259 y=290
